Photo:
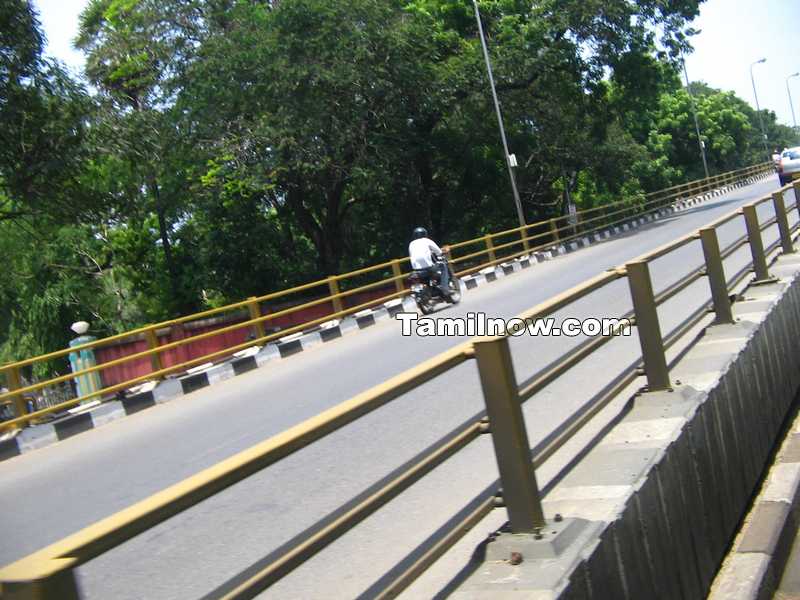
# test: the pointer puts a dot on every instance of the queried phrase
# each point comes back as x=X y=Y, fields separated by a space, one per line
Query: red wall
x=141 y=366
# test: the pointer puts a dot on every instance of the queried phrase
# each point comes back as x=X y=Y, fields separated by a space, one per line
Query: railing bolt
x=558 y=518
x=516 y=558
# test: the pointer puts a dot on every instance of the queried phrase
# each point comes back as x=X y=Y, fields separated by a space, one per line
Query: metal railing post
x=647 y=326
x=554 y=230
x=796 y=189
x=509 y=436
x=756 y=245
x=398 y=274
x=333 y=286
x=14 y=383
x=152 y=343
x=715 y=271
x=61 y=585
x=783 y=222
x=255 y=313
x=487 y=239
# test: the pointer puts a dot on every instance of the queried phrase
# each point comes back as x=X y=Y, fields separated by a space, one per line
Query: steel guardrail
x=49 y=572
x=614 y=213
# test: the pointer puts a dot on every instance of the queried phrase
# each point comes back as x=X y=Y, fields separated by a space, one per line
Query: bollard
x=715 y=270
x=647 y=325
x=333 y=286
x=487 y=239
x=255 y=313
x=783 y=222
x=756 y=245
x=152 y=343
x=398 y=275
x=509 y=436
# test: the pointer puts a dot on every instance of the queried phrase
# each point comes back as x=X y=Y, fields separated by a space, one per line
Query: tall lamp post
x=791 y=106
x=758 y=109
x=696 y=122
x=511 y=160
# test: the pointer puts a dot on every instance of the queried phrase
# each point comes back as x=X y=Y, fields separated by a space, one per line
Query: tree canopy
x=223 y=148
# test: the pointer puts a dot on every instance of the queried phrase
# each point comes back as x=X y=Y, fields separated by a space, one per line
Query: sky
x=734 y=34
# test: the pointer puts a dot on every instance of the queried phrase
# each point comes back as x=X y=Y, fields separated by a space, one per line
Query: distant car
x=789 y=166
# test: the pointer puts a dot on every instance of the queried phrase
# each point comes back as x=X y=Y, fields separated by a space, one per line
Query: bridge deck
x=47 y=494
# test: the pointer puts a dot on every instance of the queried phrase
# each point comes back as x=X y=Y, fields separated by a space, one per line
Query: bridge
x=385 y=410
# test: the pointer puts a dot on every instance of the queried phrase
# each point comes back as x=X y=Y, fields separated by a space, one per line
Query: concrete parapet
x=752 y=569
x=661 y=495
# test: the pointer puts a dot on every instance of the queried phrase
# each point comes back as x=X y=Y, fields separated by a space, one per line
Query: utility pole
x=696 y=122
x=758 y=109
x=511 y=160
x=791 y=106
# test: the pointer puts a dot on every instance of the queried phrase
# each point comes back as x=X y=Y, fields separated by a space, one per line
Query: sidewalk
x=764 y=560
x=789 y=585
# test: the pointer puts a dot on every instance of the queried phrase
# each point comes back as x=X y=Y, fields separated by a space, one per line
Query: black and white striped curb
x=753 y=568
x=97 y=413
x=94 y=414
x=491 y=274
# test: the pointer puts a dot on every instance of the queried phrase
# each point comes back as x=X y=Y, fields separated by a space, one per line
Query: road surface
x=50 y=493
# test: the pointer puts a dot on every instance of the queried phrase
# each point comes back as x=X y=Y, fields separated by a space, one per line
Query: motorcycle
x=425 y=287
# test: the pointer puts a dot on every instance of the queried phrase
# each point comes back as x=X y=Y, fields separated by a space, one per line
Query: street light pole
x=508 y=156
x=788 y=91
x=696 y=122
x=758 y=109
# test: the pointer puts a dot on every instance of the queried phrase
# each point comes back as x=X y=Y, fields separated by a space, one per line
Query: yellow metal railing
x=495 y=248
x=50 y=572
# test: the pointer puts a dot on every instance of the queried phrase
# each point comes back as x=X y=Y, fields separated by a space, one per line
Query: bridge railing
x=336 y=303
x=50 y=573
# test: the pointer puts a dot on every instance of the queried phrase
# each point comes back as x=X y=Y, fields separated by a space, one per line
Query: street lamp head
x=793 y=75
x=763 y=60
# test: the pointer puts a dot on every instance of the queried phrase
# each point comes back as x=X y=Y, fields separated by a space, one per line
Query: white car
x=789 y=166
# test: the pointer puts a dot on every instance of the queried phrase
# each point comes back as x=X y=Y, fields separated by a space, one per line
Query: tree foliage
x=231 y=148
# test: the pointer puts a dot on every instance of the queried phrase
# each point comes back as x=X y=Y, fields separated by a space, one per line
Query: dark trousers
x=442 y=275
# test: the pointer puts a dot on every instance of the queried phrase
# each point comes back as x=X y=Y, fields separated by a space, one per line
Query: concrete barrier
x=753 y=568
x=650 y=511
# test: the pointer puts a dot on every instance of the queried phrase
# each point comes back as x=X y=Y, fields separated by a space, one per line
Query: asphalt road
x=52 y=492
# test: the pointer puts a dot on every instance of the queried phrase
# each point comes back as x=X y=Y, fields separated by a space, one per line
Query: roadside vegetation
x=217 y=149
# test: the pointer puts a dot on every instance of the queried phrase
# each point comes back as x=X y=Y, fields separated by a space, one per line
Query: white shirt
x=421 y=251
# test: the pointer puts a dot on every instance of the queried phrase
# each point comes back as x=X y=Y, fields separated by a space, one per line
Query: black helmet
x=420 y=232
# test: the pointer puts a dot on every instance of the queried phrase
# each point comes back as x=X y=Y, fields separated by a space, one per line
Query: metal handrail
x=335 y=296
x=52 y=568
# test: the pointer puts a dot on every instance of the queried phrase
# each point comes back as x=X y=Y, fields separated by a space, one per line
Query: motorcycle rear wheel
x=426 y=305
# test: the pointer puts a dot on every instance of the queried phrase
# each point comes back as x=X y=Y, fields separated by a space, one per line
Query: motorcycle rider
x=426 y=256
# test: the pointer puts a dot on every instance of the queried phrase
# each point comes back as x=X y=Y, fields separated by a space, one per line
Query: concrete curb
x=84 y=418
x=657 y=500
x=90 y=416
x=752 y=570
